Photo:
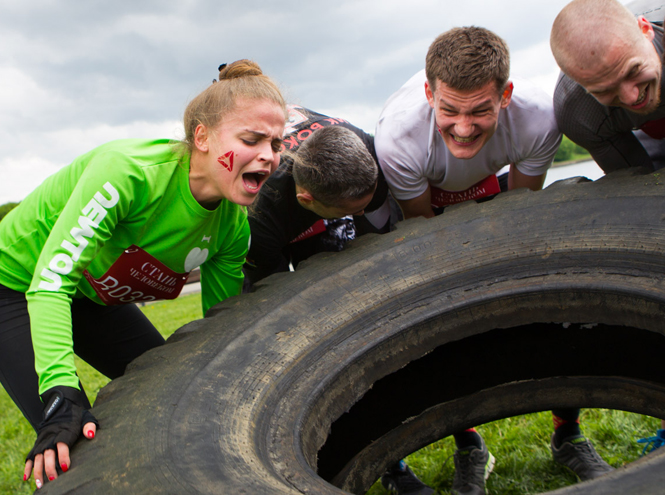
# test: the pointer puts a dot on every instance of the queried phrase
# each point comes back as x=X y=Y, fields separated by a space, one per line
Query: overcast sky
x=75 y=74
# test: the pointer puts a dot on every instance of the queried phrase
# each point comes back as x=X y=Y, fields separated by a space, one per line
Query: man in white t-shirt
x=441 y=139
x=439 y=146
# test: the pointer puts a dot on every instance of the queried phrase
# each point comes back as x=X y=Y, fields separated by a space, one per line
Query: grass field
x=520 y=444
x=16 y=435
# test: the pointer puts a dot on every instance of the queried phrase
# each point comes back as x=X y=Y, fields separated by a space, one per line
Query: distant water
x=589 y=169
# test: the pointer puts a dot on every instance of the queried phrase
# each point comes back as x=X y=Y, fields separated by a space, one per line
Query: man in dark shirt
x=608 y=98
x=327 y=190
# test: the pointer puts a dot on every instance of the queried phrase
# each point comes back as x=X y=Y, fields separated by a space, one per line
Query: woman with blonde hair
x=126 y=223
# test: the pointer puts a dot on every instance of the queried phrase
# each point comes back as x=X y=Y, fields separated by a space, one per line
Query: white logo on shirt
x=92 y=215
x=195 y=258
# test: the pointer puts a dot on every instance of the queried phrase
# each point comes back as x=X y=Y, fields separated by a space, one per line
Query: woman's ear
x=201 y=138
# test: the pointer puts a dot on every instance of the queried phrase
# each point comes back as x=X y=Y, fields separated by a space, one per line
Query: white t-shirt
x=412 y=153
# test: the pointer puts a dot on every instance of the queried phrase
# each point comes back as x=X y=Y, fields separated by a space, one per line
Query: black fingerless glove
x=65 y=414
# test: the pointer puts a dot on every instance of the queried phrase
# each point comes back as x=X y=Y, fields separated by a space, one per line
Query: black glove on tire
x=65 y=414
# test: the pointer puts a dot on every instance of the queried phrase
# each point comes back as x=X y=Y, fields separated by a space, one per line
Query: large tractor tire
x=560 y=294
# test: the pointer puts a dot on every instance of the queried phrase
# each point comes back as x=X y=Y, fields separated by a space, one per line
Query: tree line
x=6 y=208
x=570 y=151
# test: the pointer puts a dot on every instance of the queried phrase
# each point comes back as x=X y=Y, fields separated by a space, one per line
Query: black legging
x=108 y=338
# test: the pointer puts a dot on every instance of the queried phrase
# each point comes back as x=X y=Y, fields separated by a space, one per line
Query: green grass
x=521 y=448
x=520 y=444
x=16 y=434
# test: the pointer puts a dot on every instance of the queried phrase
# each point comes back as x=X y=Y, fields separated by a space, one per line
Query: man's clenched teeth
x=463 y=140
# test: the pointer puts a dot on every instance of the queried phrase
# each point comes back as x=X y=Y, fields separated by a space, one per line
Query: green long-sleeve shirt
x=125 y=193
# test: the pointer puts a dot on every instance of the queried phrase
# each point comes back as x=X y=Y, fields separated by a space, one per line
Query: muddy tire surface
x=290 y=389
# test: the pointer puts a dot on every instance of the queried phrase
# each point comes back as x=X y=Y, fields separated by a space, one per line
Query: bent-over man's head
x=467 y=86
x=335 y=174
x=602 y=46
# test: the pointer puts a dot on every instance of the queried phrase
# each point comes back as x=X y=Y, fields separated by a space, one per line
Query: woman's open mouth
x=254 y=180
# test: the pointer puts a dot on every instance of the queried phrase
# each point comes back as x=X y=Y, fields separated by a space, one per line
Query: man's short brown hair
x=467 y=58
x=334 y=166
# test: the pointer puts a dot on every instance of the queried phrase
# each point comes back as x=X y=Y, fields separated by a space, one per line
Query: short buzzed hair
x=582 y=27
x=334 y=165
x=467 y=58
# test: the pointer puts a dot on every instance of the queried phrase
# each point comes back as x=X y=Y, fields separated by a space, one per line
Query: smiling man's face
x=467 y=119
x=624 y=74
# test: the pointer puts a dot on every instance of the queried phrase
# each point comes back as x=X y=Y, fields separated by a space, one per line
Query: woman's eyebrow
x=263 y=135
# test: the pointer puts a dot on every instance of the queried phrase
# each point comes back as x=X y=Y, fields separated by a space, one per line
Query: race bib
x=486 y=187
x=136 y=277
x=654 y=128
x=317 y=228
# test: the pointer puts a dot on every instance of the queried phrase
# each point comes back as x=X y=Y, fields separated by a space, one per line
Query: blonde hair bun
x=239 y=68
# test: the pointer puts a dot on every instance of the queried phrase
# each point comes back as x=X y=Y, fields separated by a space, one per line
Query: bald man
x=608 y=99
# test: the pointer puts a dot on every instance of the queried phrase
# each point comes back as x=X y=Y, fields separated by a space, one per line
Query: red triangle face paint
x=226 y=160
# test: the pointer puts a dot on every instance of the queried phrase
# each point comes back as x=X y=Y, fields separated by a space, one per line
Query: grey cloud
x=110 y=62
x=81 y=65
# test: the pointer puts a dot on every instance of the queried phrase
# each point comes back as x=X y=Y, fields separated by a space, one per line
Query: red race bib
x=486 y=187
x=317 y=228
x=136 y=277
x=655 y=128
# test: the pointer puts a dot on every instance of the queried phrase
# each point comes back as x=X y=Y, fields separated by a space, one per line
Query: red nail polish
x=51 y=478
x=91 y=434
x=64 y=467
x=25 y=477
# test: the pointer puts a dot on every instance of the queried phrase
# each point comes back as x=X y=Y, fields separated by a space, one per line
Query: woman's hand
x=64 y=420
